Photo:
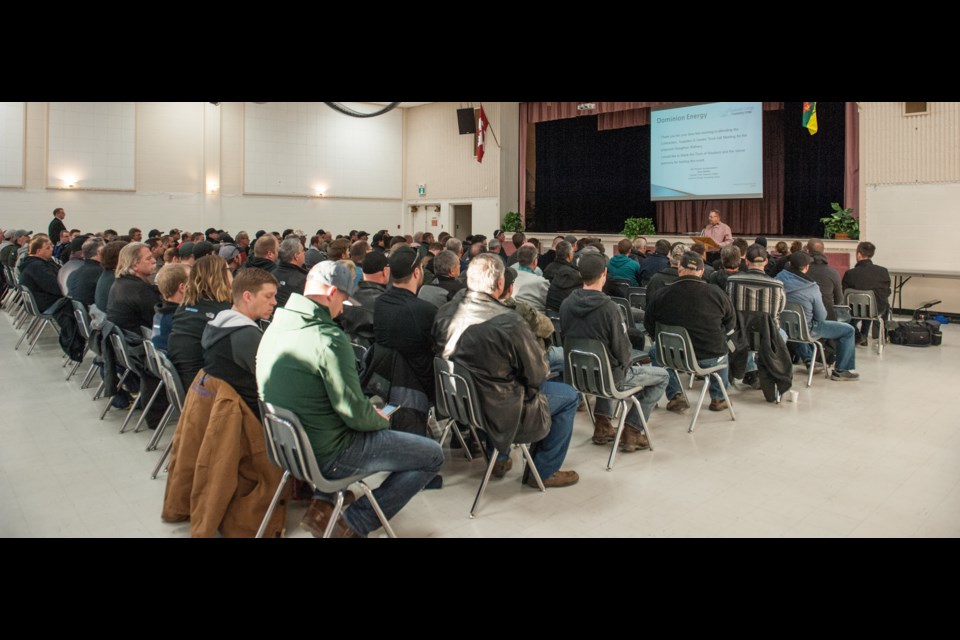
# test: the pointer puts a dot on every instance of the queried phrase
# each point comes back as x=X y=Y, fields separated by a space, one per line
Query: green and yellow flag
x=810 y=117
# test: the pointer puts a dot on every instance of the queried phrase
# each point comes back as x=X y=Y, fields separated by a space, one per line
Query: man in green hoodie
x=305 y=364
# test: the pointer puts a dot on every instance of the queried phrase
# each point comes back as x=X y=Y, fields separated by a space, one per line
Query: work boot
x=500 y=467
x=633 y=440
x=603 y=431
x=678 y=403
x=557 y=480
x=718 y=405
x=318 y=515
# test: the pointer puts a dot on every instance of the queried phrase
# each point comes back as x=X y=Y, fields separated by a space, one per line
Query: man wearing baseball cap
x=305 y=364
x=707 y=315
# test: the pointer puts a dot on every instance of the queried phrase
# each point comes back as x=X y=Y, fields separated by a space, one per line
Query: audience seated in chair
x=867 y=276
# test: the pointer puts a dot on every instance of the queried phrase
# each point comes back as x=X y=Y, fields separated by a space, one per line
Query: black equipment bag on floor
x=912 y=334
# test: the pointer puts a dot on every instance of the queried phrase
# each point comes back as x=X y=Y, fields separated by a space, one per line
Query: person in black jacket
x=56 y=225
x=825 y=276
x=208 y=293
x=264 y=253
x=563 y=276
x=730 y=265
x=130 y=305
x=590 y=313
x=290 y=273
x=509 y=369
x=38 y=272
x=230 y=341
x=707 y=315
x=655 y=262
x=132 y=297
x=357 y=321
x=668 y=275
x=867 y=276
x=82 y=283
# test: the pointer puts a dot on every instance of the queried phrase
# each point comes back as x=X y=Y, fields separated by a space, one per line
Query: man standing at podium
x=717 y=231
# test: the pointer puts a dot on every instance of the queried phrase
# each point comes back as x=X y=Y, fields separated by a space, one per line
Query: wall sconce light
x=70 y=181
x=212 y=186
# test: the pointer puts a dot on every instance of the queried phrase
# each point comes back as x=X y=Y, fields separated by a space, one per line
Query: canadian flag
x=481 y=127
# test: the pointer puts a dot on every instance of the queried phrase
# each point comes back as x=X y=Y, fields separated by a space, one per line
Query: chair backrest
x=553 y=314
x=456 y=393
x=619 y=287
x=29 y=303
x=794 y=322
x=289 y=448
x=146 y=332
x=748 y=293
x=433 y=294
x=557 y=338
x=171 y=379
x=675 y=350
x=287 y=444
x=151 y=358
x=863 y=304
x=82 y=318
x=119 y=345
x=587 y=366
x=625 y=312
x=638 y=297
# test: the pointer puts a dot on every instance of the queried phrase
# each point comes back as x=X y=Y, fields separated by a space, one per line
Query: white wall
x=485 y=214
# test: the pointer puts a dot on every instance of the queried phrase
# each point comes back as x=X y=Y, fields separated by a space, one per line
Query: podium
x=708 y=242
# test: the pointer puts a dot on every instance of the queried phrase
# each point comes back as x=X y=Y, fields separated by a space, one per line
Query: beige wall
x=898 y=149
x=910 y=179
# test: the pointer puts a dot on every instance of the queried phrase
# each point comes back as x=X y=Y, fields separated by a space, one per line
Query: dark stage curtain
x=593 y=180
x=813 y=167
x=589 y=179
x=747 y=217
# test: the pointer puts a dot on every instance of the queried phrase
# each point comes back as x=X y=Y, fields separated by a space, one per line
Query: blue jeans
x=654 y=381
x=840 y=331
x=412 y=459
x=674 y=387
x=555 y=359
x=549 y=453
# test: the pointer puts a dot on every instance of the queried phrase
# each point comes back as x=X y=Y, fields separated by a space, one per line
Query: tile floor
x=876 y=458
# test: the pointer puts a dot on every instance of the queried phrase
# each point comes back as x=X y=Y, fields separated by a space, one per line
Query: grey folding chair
x=462 y=403
x=175 y=396
x=588 y=370
x=359 y=354
x=675 y=351
x=793 y=321
x=442 y=413
x=638 y=297
x=863 y=306
x=40 y=320
x=121 y=352
x=289 y=449
x=151 y=365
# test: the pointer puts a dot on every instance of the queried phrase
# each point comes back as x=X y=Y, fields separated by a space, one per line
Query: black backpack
x=912 y=334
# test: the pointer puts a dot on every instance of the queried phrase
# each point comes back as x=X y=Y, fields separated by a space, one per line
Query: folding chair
x=462 y=403
x=863 y=306
x=40 y=319
x=289 y=449
x=675 y=351
x=588 y=370
x=795 y=324
x=176 y=398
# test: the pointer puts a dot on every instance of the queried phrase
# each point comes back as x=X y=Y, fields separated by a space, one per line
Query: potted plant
x=841 y=225
x=633 y=227
x=512 y=222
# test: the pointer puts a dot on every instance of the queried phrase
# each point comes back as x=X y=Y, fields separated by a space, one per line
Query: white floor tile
x=879 y=458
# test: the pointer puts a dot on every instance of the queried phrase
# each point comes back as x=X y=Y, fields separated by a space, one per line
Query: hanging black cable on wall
x=358 y=114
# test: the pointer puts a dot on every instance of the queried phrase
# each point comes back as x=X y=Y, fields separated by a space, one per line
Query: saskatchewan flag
x=810 y=117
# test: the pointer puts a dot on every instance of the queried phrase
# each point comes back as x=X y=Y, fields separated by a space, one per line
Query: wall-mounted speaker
x=466 y=121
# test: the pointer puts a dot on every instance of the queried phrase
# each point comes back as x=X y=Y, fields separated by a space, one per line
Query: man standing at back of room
x=56 y=225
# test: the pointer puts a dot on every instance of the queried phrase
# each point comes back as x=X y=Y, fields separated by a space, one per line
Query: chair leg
x=461 y=440
x=693 y=377
x=621 y=422
x=164 y=419
x=726 y=397
x=119 y=385
x=883 y=335
x=486 y=479
x=643 y=422
x=586 y=402
x=273 y=505
x=823 y=359
x=43 y=325
x=133 y=407
x=146 y=409
x=376 y=507
x=476 y=436
x=533 y=468
x=87 y=378
x=74 y=368
x=166 y=452
x=696 y=412
x=813 y=363
x=25 y=333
